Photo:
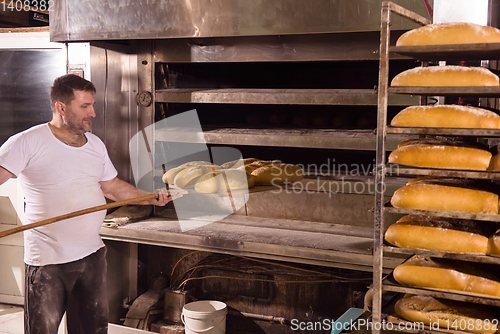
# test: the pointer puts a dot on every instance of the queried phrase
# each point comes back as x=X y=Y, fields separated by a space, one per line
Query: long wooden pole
x=77 y=213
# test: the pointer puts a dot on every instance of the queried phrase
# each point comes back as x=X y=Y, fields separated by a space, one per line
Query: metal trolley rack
x=424 y=54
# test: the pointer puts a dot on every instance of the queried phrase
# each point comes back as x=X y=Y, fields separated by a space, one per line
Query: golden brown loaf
x=188 y=177
x=440 y=154
x=238 y=163
x=449 y=33
x=224 y=180
x=494 y=244
x=495 y=163
x=438 y=234
x=278 y=174
x=447 y=116
x=430 y=194
x=425 y=272
x=169 y=175
x=447 y=314
x=446 y=76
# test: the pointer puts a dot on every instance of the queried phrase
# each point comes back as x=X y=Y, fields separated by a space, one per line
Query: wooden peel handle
x=77 y=213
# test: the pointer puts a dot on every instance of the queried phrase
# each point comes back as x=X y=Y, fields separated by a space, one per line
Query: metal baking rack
x=448 y=214
x=449 y=52
x=445 y=255
x=424 y=53
x=444 y=131
x=477 y=91
x=401 y=170
x=390 y=284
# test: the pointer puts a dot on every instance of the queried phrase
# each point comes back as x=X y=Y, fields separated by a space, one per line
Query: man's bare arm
x=117 y=190
x=5 y=175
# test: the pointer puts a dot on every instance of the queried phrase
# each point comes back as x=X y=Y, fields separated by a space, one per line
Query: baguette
x=494 y=244
x=436 y=273
x=169 y=176
x=278 y=174
x=447 y=314
x=238 y=163
x=224 y=180
x=449 y=33
x=447 y=116
x=439 y=234
x=440 y=154
x=187 y=177
x=446 y=76
x=430 y=194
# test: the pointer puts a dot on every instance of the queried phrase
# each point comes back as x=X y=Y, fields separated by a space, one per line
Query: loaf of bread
x=238 y=163
x=449 y=33
x=446 y=76
x=494 y=163
x=494 y=244
x=447 y=116
x=432 y=194
x=439 y=234
x=169 y=175
x=437 y=273
x=447 y=314
x=440 y=154
x=276 y=174
x=257 y=164
x=187 y=177
x=224 y=180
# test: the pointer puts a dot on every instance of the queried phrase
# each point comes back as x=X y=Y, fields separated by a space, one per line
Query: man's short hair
x=63 y=88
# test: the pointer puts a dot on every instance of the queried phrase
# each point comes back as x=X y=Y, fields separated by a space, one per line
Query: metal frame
x=448 y=52
x=387 y=9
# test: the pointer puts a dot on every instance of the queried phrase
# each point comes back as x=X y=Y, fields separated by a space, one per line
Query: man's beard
x=73 y=126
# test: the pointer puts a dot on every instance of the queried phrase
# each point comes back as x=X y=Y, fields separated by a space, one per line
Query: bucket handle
x=203 y=330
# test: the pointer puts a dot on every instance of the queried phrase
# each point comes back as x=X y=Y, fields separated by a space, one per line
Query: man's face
x=79 y=113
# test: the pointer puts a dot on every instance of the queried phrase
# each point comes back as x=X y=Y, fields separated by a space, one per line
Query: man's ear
x=60 y=108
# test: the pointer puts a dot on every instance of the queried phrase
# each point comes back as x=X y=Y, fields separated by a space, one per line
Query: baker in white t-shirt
x=64 y=168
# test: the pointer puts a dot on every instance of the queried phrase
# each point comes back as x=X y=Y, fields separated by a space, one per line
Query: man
x=63 y=168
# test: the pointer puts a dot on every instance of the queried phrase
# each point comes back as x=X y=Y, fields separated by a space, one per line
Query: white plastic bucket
x=204 y=316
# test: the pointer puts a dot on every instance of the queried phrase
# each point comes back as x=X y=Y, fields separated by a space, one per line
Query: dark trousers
x=77 y=288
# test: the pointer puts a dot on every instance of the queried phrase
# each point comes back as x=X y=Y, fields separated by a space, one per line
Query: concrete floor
x=12 y=322
x=11 y=319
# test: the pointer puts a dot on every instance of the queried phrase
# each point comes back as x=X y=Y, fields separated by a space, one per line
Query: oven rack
x=390 y=284
x=408 y=171
x=333 y=97
x=427 y=53
x=444 y=131
x=446 y=255
x=305 y=138
x=449 y=51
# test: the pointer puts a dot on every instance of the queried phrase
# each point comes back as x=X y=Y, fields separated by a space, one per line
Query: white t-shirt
x=57 y=179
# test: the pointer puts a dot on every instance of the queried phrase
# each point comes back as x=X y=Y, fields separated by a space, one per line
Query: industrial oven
x=275 y=80
x=281 y=80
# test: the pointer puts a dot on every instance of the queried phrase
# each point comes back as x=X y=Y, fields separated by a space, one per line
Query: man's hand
x=117 y=190
x=165 y=197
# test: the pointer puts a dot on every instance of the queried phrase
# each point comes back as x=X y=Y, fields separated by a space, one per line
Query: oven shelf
x=447 y=91
x=449 y=214
x=446 y=255
x=449 y=52
x=305 y=138
x=390 y=284
x=360 y=97
x=335 y=245
x=401 y=171
x=444 y=131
